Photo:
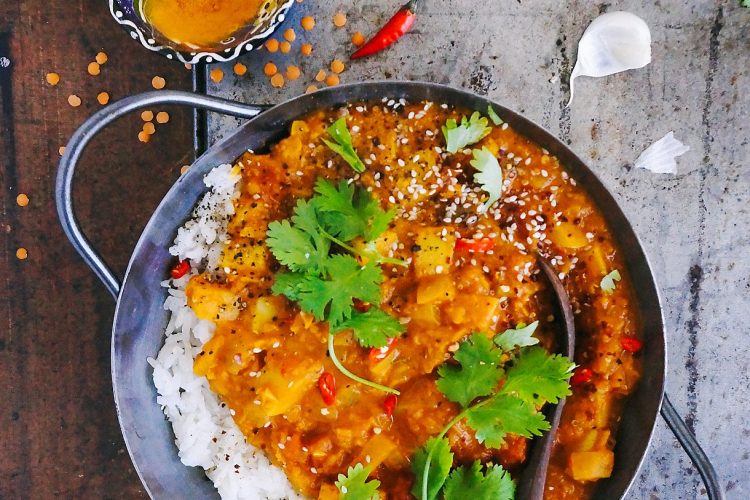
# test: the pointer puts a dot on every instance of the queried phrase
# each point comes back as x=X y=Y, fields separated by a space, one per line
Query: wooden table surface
x=58 y=429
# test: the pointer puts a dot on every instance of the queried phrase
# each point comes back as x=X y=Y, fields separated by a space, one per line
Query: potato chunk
x=435 y=289
x=435 y=254
x=591 y=465
x=211 y=301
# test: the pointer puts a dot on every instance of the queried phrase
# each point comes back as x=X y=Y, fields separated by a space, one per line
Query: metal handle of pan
x=693 y=449
x=91 y=127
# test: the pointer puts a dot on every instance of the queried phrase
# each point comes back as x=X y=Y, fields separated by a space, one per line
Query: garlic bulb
x=613 y=42
x=660 y=156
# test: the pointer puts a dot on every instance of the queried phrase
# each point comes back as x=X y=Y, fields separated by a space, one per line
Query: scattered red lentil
x=103 y=98
x=311 y=88
x=337 y=66
x=101 y=58
x=158 y=82
x=22 y=200
x=162 y=117
x=149 y=128
x=320 y=76
x=307 y=23
x=143 y=136
x=306 y=49
x=339 y=19
x=53 y=78
x=332 y=80
x=285 y=47
x=292 y=72
x=94 y=69
x=61 y=150
x=240 y=69
x=188 y=66
x=22 y=253
x=270 y=69
x=147 y=116
x=272 y=45
x=217 y=75
x=74 y=100
x=290 y=35
x=184 y=169
x=358 y=38
x=277 y=80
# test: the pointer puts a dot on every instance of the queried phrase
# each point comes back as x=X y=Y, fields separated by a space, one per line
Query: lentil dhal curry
x=383 y=328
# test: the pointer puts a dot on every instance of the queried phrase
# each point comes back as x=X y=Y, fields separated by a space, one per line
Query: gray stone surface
x=695 y=225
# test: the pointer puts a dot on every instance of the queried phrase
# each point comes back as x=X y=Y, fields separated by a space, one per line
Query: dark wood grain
x=59 y=435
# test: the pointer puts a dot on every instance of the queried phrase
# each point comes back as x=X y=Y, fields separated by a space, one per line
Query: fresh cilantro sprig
x=326 y=284
x=468 y=132
x=520 y=336
x=355 y=486
x=470 y=482
x=343 y=144
x=531 y=378
x=493 y=115
x=608 y=282
x=489 y=175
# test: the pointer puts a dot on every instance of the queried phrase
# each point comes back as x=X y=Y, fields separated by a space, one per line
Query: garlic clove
x=613 y=42
x=660 y=157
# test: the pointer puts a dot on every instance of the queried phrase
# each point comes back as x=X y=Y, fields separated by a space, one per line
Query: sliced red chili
x=467 y=245
x=631 y=344
x=389 y=404
x=180 y=270
x=361 y=306
x=380 y=353
x=395 y=28
x=581 y=376
x=327 y=387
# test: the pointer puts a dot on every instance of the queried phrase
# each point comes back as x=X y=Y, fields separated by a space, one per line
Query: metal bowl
x=140 y=318
x=272 y=13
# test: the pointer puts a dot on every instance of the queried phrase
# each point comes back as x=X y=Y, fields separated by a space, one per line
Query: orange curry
x=266 y=356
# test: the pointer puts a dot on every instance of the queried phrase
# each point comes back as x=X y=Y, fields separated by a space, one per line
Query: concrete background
x=695 y=225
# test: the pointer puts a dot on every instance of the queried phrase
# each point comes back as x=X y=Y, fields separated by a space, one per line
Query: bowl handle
x=693 y=449
x=91 y=127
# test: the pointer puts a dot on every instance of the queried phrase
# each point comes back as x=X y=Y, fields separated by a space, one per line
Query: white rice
x=205 y=433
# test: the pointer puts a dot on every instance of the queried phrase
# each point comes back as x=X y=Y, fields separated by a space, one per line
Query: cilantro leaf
x=343 y=145
x=468 y=132
x=490 y=175
x=504 y=414
x=493 y=115
x=440 y=465
x=520 y=336
x=538 y=377
x=478 y=375
x=300 y=247
x=288 y=284
x=349 y=212
x=372 y=328
x=608 y=282
x=470 y=482
x=745 y=3
x=331 y=299
x=355 y=486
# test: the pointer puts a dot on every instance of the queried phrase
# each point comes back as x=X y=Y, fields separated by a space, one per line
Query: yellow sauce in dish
x=199 y=24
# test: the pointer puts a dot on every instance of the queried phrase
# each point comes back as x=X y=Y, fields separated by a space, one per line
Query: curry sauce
x=266 y=356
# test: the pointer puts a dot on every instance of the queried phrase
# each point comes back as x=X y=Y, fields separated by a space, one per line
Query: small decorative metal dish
x=272 y=13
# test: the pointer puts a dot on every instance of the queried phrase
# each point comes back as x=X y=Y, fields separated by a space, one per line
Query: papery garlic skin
x=613 y=42
x=660 y=157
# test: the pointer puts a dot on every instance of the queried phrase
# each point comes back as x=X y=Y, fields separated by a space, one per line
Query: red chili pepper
x=395 y=28
x=581 y=376
x=389 y=404
x=180 y=270
x=380 y=353
x=631 y=344
x=327 y=386
x=466 y=245
x=361 y=306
